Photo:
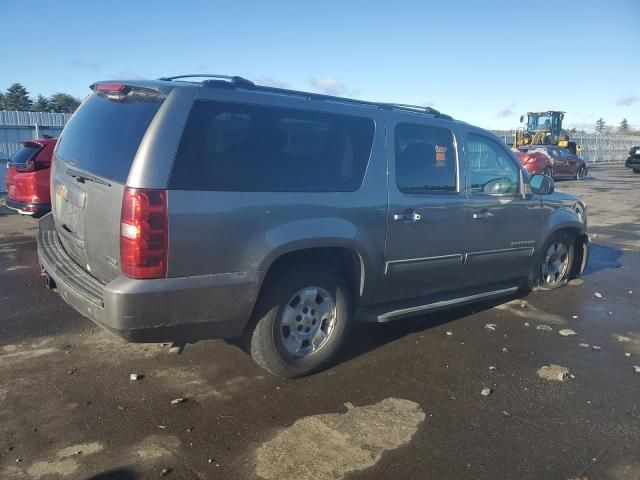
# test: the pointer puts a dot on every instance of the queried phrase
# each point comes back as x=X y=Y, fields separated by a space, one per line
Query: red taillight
x=144 y=233
x=112 y=88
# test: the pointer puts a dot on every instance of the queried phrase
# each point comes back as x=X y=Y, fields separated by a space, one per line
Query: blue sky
x=480 y=61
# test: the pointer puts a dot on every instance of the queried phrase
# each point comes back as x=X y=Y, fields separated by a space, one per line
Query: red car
x=536 y=162
x=552 y=160
x=28 y=174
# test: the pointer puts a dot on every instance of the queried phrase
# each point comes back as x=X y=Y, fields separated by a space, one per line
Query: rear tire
x=553 y=268
x=548 y=172
x=301 y=320
x=636 y=170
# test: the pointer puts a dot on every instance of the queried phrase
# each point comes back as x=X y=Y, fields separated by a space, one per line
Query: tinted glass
x=425 y=159
x=104 y=134
x=492 y=170
x=239 y=147
x=23 y=154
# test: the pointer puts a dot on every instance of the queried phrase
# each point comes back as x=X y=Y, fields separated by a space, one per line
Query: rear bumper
x=183 y=309
x=27 y=208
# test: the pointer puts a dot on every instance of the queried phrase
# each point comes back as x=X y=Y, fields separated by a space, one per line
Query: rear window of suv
x=24 y=154
x=240 y=147
x=103 y=136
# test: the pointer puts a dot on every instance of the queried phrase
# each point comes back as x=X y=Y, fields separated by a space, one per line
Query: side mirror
x=542 y=185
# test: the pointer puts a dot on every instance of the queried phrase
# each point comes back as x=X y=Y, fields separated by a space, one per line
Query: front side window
x=425 y=159
x=491 y=169
x=257 y=148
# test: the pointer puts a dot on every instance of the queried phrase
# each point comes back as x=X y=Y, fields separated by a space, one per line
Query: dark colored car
x=28 y=177
x=536 y=162
x=633 y=160
x=186 y=210
x=564 y=164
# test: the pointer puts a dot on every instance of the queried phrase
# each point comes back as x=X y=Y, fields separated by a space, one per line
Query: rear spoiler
x=118 y=90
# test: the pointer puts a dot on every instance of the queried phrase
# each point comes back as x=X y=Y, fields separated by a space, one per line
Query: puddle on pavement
x=329 y=446
x=530 y=312
x=191 y=385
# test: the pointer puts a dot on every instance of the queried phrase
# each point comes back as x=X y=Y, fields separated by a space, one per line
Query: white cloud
x=506 y=111
x=328 y=85
x=627 y=100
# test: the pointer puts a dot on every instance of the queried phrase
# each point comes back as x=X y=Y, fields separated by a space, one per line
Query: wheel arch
x=566 y=220
x=341 y=254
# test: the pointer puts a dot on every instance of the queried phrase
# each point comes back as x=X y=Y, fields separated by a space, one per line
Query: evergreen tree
x=41 y=104
x=63 y=102
x=624 y=126
x=17 y=98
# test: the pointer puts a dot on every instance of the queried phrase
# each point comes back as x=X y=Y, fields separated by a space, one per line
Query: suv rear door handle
x=409 y=216
x=483 y=215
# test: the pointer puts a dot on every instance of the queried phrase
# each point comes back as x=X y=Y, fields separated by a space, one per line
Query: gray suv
x=185 y=210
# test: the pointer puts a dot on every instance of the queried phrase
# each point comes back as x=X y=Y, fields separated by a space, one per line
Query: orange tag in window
x=441 y=153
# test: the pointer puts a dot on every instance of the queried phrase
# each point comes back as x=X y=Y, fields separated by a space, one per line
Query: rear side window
x=24 y=154
x=103 y=136
x=425 y=159
x=239 y=147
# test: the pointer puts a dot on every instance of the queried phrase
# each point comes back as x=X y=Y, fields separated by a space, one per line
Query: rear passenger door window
x=425 y=159
x=428 y=214
x=259 y=148
x=491 y=168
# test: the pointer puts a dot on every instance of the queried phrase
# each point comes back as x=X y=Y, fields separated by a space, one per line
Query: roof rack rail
x=231 y=78
x=419 y=109
x=369 y=103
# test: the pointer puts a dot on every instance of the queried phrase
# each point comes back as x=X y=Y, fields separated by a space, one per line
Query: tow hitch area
x=48 y=281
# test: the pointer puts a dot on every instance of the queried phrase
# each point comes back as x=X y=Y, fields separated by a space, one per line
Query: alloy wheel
x=308 y=321
x=555 y=263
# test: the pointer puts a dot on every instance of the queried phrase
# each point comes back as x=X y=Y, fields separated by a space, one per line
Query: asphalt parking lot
x=404 y=402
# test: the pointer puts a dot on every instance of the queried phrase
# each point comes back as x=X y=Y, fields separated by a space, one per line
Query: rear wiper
x=83 y=177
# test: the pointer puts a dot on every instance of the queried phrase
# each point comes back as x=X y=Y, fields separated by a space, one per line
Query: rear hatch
x=90 y=169
x=18 y=163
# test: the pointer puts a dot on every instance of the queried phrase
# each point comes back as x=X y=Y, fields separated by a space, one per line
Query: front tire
x=548 y=172
x=581 y=173
x=302 y=320
x=555 y=265
x=636 y=170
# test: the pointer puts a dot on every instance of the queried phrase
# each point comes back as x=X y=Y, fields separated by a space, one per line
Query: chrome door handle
x=408 y=216
x=484 y=216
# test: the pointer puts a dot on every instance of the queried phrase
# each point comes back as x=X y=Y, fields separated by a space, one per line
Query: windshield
x=538 y=123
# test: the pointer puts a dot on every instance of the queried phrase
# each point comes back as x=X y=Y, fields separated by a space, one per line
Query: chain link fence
x=595 y=148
